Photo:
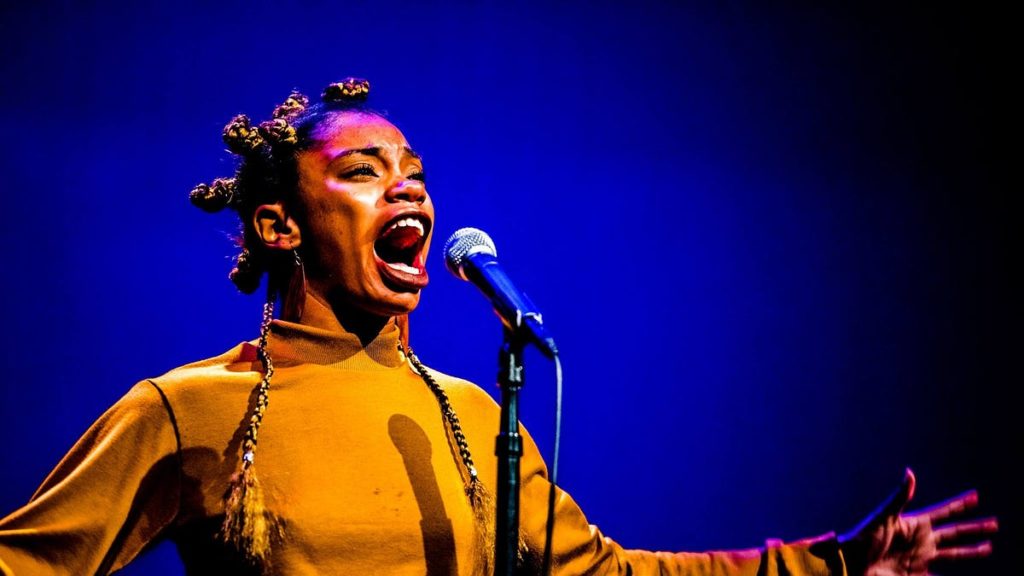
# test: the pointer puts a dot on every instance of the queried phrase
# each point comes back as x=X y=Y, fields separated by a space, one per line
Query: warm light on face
x=368 y=216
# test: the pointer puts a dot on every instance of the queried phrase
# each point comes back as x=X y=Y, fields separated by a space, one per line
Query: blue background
x=778 y=246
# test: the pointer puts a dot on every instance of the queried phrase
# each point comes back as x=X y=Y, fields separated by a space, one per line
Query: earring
x=295 y=297
x=402 y=322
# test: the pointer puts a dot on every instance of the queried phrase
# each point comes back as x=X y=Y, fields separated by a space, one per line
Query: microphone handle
x=516 y=310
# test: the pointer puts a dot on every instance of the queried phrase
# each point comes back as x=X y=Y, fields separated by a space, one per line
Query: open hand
x=891 y=543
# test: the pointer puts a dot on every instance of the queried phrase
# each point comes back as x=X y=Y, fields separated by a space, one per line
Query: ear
x=276 y=228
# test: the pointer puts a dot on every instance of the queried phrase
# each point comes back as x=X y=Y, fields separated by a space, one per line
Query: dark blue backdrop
x=775 y=245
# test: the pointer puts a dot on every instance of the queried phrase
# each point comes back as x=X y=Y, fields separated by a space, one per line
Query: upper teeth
x=404 y=268
x=415 y=223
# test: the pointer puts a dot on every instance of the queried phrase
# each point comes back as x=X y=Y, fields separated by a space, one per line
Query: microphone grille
x=462 y=243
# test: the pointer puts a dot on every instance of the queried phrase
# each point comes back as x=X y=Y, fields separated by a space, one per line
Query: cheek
x=344 y=237
x=333 y=221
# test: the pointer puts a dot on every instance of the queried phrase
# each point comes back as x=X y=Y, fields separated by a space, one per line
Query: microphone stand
x=509 y=449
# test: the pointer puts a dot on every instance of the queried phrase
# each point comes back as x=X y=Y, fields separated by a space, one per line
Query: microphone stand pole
x=509 y=449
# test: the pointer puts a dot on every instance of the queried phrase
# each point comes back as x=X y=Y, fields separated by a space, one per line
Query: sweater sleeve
x=108 y=497
x=580 y=548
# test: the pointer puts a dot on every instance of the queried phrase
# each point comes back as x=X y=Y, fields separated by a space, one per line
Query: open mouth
x=399 y=251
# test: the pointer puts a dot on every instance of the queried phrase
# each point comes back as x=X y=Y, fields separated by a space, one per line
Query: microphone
x=470 y=255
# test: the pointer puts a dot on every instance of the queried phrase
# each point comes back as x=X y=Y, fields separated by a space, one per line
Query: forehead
x=354 y=130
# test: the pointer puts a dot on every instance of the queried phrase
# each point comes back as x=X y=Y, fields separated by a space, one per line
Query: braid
x=267 y=172
x=248 y=523
x=262 y=399
x=479 y=497
x=450 y=417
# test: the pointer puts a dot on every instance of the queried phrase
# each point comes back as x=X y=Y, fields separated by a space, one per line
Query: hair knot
x=241 y=137
x=348 y=90
x=293 y=106
x=246 y=273
x=279 y=131
x=215 y=196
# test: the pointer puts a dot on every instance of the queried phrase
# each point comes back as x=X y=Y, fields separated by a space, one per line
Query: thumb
x=898 y=500
x=854 y=540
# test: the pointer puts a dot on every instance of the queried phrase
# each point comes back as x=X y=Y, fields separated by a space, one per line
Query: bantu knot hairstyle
x=267 y=173
x=242 y=138
x=267 y=170
x=279 y=132
x=347 y=90
x=291 y=107
x=245 y=274
x=215 y=196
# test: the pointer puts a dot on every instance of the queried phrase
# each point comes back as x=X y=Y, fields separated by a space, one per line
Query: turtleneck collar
x=289 y=340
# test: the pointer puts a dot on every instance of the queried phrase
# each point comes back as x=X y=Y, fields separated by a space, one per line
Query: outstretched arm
x=113 y=493
x=580 y=548
x=890 y=542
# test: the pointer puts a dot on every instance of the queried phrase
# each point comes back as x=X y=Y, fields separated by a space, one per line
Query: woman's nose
x=407 y=191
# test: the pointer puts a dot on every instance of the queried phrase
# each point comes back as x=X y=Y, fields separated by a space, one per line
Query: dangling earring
x=402 y=322
x=295 y=297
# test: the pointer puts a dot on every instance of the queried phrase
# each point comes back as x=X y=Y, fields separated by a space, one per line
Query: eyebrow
x=372 y=151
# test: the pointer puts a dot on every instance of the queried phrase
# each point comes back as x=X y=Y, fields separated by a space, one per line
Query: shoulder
x=199 y=394
x=462 y=391
x=477 y=411
x=234 y=370
x=142 y=405
x=237 y=360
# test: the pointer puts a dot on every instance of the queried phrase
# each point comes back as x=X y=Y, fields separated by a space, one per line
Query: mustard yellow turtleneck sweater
x=355 y=458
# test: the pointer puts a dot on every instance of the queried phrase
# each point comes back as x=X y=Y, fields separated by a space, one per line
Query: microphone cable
x=472 y=250
x=550 y=527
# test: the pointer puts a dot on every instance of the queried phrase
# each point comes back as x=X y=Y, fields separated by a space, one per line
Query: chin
x=393 y=304
x=380 y=302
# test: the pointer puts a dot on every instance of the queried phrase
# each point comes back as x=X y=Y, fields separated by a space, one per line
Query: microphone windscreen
x=462 y=243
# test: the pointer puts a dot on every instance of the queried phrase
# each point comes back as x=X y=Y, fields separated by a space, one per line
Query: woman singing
x=325 y=446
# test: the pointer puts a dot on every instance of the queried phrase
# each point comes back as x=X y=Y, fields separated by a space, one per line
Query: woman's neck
x=337 y=317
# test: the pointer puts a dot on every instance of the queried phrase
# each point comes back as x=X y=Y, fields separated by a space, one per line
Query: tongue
x=399 y=245
x=401 y=238
x=401 y=259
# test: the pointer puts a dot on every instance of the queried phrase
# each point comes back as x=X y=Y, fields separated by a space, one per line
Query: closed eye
x=360 y=171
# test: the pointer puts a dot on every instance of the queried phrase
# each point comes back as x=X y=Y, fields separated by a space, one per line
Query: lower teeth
x=404 y=268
